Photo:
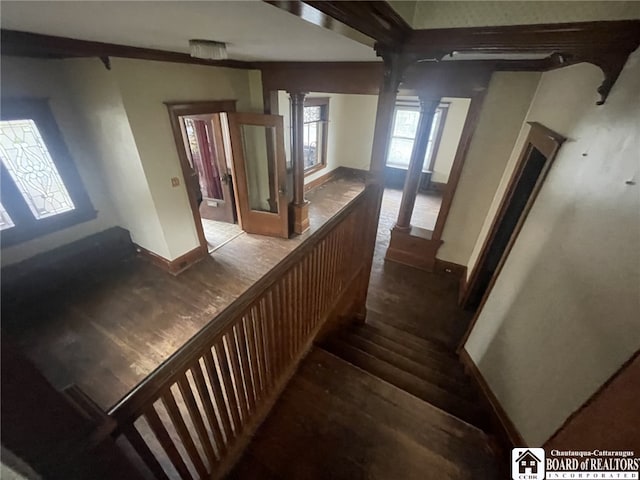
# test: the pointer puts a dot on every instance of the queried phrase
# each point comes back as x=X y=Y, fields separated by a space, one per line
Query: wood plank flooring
x=109 y=329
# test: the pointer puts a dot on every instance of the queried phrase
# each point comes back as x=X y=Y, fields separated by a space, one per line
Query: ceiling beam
x=366 y=22
x=559 y=37
x=25 y=44
x=604 y=44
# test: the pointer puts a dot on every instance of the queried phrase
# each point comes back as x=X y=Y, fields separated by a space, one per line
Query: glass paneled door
x=257 y=143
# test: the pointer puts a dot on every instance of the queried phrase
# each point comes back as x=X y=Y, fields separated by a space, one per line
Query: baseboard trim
x=442 y=266
x=504 y=430
x=177 y=265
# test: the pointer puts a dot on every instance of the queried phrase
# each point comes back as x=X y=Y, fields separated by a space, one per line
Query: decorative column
x=416 y=164
x=299 y=206
x=411 y=245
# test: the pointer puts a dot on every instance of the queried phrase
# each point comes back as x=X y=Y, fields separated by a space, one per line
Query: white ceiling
x=253 y=30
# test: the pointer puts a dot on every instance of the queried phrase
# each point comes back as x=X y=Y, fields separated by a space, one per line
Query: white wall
x=45 y=79
x=350 y=135
x=451 y=133
x=145 y=86
x=98 y=107
x=118 y=132
x=563 y=314
x=504 y=109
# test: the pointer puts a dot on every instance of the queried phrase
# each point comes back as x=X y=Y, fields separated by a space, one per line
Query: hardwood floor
x=108 y=330
x=386 y=399
x=219 y=233
x=425 y=211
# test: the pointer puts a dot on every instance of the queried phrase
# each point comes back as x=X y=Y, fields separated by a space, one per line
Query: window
x=405 y=124
x=316 y=116
x=41 y=189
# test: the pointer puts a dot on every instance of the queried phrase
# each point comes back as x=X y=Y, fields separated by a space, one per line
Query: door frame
x=547 y=142
x=181 y=109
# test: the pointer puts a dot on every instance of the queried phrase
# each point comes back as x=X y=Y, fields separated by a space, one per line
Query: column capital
x=297 y=97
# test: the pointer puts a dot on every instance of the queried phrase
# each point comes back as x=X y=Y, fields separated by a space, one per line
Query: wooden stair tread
x=461 y=408
x=329 y=370
x=409 y=339
x=337 y=421
x=448 y=372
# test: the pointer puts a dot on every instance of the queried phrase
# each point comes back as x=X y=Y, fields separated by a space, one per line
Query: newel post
x=299 y=206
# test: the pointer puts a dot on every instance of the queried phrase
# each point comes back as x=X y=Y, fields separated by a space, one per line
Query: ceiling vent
x=208 y=49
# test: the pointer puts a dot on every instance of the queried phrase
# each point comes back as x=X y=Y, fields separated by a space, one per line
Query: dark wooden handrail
x=168 y=371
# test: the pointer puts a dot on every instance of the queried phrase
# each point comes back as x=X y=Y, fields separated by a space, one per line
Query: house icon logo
x=527 y=464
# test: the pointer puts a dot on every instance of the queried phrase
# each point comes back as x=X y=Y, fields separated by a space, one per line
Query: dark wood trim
x=450 y=268
x=177 y=265
x=552 y=37
x=25 y=44
x=362 y=21
x=592 y=398
x=606 y=44
x=317 y=17
x=548 y=143
x=330 y=77
x=503 y=428
x=177 y=110
x=377 y=20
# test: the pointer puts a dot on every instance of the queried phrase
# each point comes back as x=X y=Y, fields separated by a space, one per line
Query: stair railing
x=193 y=416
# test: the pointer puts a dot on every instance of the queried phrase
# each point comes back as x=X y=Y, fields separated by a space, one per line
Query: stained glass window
x=5 y=219
x=25 y=156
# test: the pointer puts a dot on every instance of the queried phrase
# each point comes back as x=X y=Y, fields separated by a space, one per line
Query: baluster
x=231 y=395
x=159 y=430
x=232 y=355
x=218 y=395
x=243 y=353
x=272 y=311
x=178 y=422
x=254 y=353
x=143 y=450
x=265 y=340
x=196 y=418
x=205 y=398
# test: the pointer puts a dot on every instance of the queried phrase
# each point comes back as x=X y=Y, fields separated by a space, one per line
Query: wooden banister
x=226 y=378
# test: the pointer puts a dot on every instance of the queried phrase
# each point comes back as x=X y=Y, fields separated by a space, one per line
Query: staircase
x=423 y=368
x=374 y=401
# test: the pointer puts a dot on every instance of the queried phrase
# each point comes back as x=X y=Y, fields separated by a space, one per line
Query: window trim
x=27 y=227
x=415 y=106
x=324 y=113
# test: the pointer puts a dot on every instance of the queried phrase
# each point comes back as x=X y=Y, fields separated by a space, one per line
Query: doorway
x=215 y=145
x=540 y=149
